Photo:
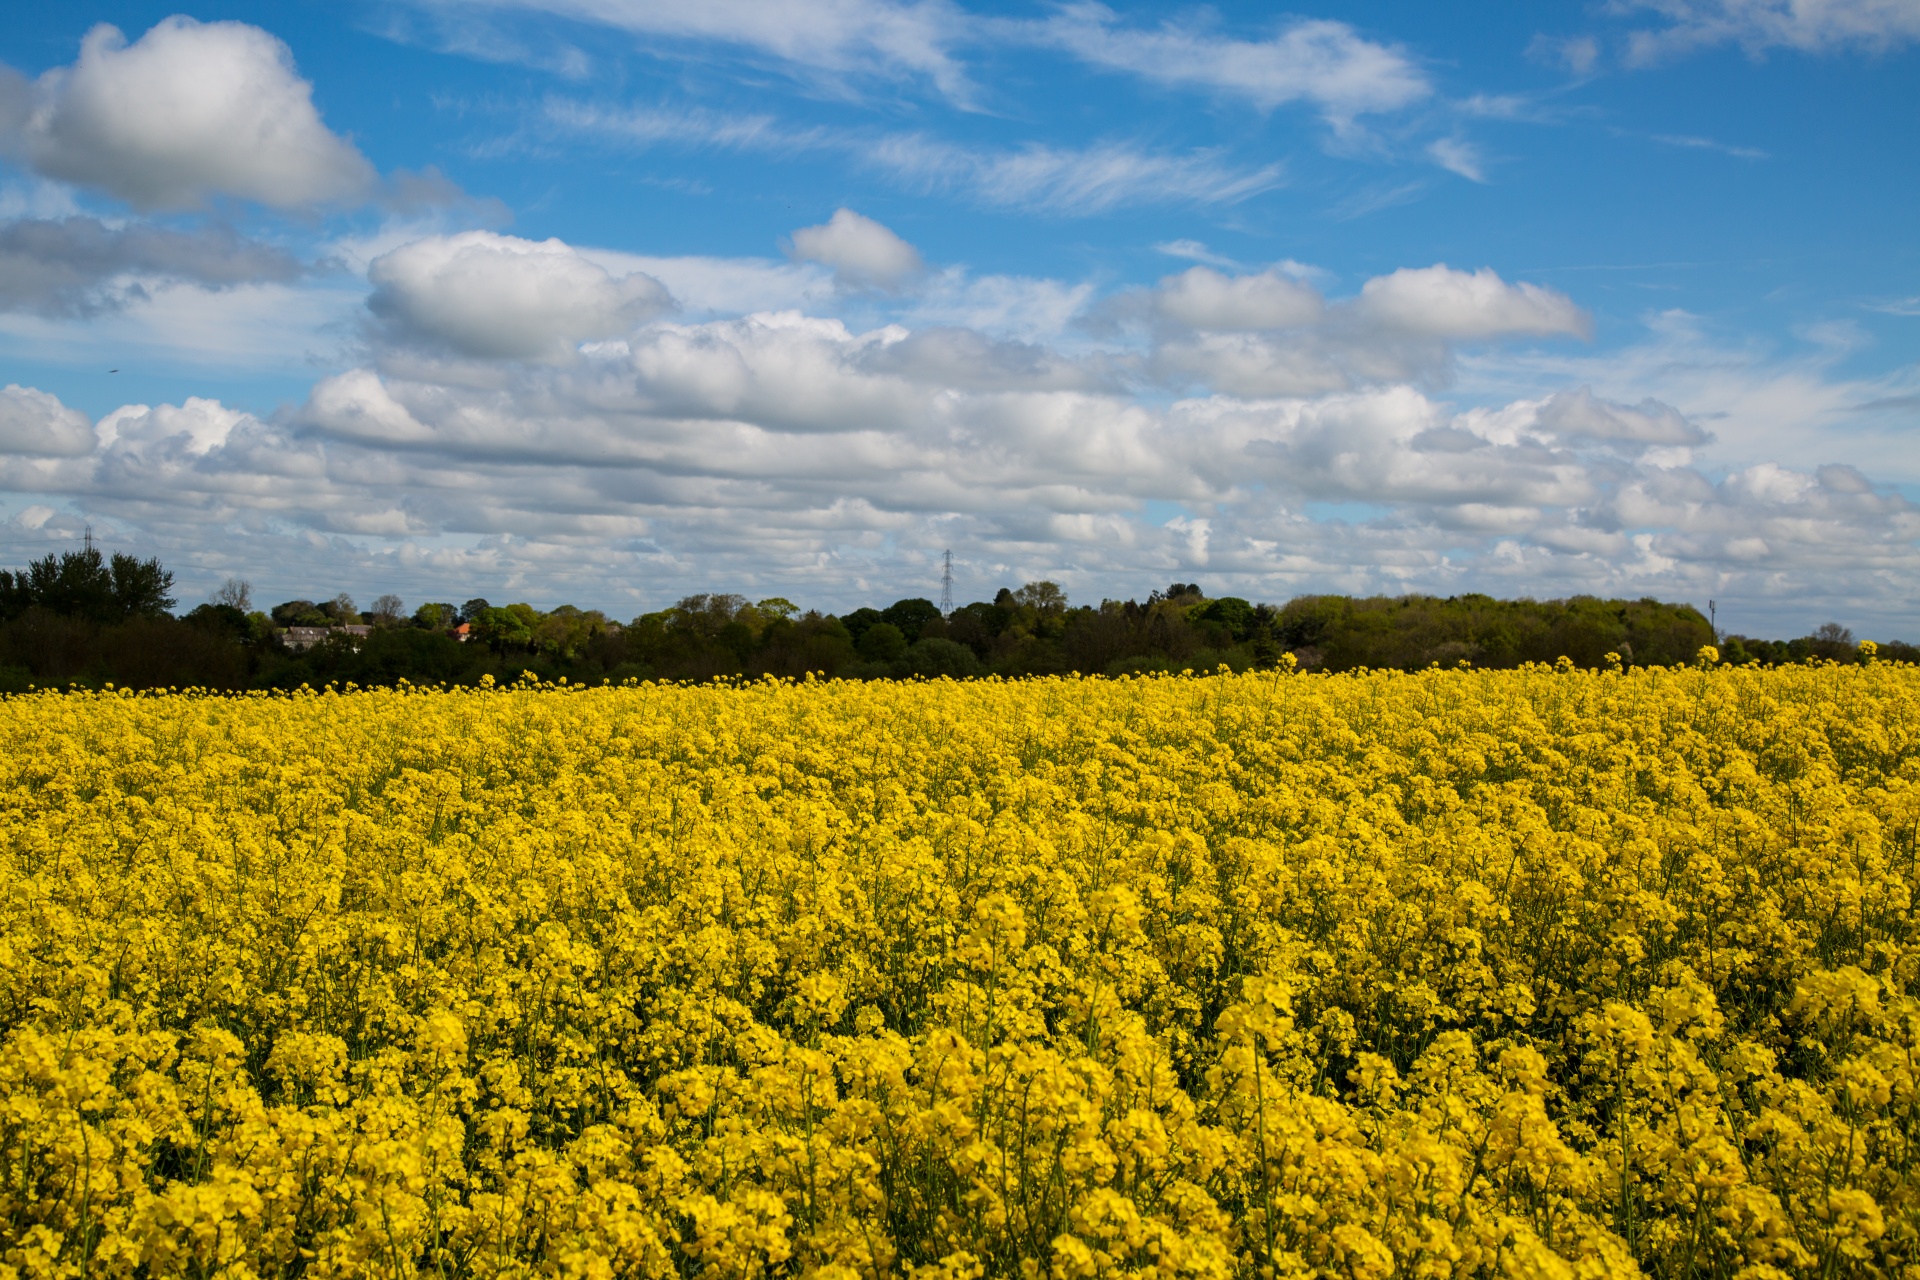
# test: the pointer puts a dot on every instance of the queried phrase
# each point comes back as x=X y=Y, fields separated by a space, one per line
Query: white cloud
x=197 y=427
x=1790 y=406
x=1578 y=54
x=1203 y=298
x=1080 y=182
x=191 y=111
x=705 y=286
x=1580 y=415
x=836 y=38
x=1809 y=26
x=1441 y=302
x=35 y=423
x=501 y=297
x=1061 y=180
x=1459 y=156
x=1693 y=143
x=826 y=459
x=862 y=252
x=1194 y=251
x=79 y=266
x=1320 y=62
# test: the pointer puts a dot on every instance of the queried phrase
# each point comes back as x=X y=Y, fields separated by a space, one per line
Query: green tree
x=1045 y=596
x=911 y=616
x=85 y=584
x=506 y=628
x=882 y=642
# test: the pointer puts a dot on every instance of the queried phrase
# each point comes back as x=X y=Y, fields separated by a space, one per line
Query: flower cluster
x=1538 y=973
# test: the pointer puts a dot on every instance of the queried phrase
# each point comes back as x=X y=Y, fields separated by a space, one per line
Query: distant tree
x=706 y=615
x=777 y=607
x=508 y=628
x=859 y=621
x=85 y=584
x=911 y=616
x=1832 y=641
x=566 y=632
x=299 y=613
x=472 y=609
x=234 y=593
x=1266 y=654
x=1045 y=596
x=387 y=611
x=221 y=619
x=937 y=657
x=439 y=616
x=881 y=642
x=341 y=610
x=1232 y=613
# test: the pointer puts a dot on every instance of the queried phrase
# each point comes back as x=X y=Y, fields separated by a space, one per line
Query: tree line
x=82 y=617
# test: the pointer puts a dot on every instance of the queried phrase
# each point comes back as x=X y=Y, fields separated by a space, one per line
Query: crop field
x=1542 y=973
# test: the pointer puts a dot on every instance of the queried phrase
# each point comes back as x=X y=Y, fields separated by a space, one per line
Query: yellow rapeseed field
x=1532 y=974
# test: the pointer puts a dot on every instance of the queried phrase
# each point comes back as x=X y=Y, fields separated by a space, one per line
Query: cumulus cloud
x=791 y=449
x=1271 y=334
x=190 y=111
x=37 y=424
x=500 y=297
x=1440 y=302
x=818 y=457
x=1320 y=62
x=1205 y=299
x=1580 y=415
x=862 y=252
x=196 y=428
x=1809 y=26
x=80 y=266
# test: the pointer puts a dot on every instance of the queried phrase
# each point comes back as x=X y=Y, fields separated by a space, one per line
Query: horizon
x=610 y=304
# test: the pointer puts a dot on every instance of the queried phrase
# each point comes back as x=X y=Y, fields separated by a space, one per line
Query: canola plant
x=1529 y=974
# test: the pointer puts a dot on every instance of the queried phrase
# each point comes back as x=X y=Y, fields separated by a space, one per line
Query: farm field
x=1538 y=973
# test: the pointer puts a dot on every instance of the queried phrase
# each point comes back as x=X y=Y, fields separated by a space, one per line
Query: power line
x=946 y=585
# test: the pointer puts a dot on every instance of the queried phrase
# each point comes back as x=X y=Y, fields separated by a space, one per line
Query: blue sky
x=608 y=301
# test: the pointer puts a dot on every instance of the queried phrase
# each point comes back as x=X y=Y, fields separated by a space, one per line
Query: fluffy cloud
x=1203 y=298
x=37 y=424
x=862 y=252
x=1321 y=62
x=191 y=111
x=500 y=297
x=195 y=428
x=1811 y=26
x=824 y=459
x=1580 y=415
x=1440 y=302
x=81 y=266
x=1270 y=334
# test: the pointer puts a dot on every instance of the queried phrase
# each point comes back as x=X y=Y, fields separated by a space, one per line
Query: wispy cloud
x=1072 y=181
x=1577 y=54
x=1759 y=25
x=1327 y=64
x=1194 y=251
x=683 y=126
x=1708 y=144
x=1456 y=155
x=1062 y=180
x=834 y=39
